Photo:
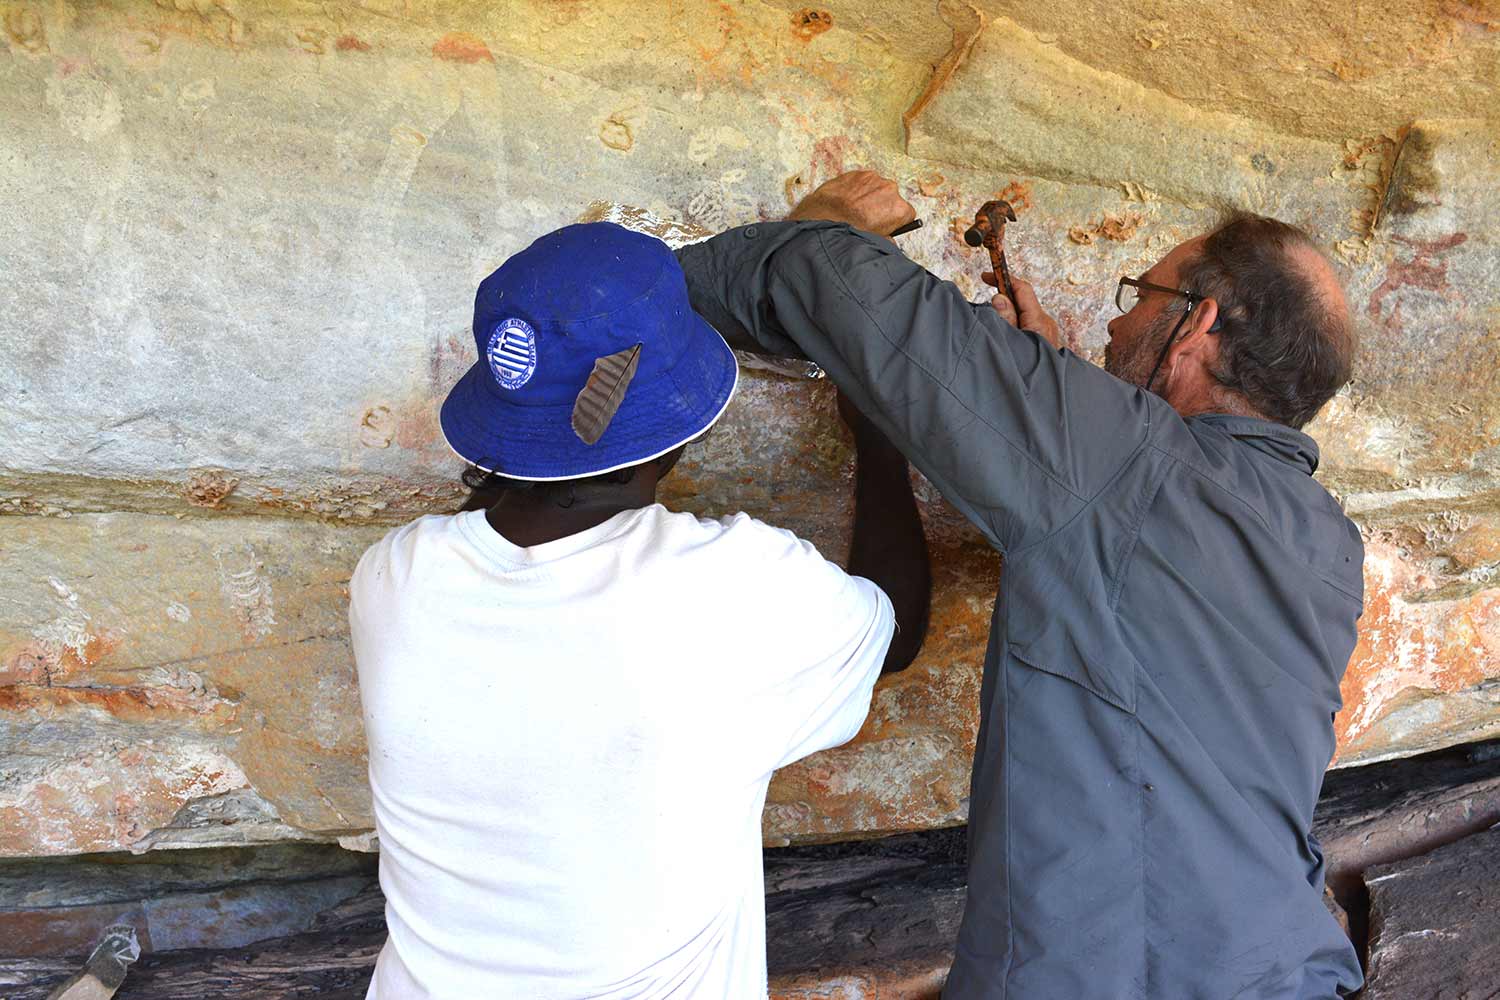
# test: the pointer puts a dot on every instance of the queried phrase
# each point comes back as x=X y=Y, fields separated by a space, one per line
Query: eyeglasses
x=1128 y=293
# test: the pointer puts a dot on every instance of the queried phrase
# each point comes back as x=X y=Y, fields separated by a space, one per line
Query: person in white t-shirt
x=574 y=697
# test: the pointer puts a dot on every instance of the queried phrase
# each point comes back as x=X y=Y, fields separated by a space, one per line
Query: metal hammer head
x=990 y=218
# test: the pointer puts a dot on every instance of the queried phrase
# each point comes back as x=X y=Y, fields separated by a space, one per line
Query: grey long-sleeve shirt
x=1177 y=607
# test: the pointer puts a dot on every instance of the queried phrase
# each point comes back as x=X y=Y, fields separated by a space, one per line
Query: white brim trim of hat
x=623 y=465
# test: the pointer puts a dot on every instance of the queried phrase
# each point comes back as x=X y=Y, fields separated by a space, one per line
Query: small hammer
x=987 y=231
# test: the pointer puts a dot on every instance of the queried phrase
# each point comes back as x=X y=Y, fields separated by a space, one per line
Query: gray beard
x=1135 y=366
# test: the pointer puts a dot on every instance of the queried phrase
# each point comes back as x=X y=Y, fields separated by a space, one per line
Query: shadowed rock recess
x=240 y=242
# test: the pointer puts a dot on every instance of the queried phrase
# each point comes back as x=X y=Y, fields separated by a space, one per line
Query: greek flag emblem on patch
x=512 y=353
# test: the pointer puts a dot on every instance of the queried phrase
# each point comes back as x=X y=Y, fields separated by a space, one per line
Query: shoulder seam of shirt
x=946 y=386
x=1207 y=478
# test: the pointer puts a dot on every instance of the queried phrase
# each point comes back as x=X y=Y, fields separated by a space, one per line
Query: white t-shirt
x=570 y=746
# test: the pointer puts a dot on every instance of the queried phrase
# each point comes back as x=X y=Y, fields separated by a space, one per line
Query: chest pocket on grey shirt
x=1060 y=622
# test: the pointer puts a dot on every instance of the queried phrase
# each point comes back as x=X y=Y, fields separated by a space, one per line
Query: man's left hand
x=862 y=198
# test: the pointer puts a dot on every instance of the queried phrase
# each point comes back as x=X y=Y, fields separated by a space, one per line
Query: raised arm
x=888 y=547
x=1015 y=433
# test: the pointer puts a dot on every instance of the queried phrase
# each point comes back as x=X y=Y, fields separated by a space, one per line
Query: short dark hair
x=487 y=487
x=476 y=478
x=1285 y=344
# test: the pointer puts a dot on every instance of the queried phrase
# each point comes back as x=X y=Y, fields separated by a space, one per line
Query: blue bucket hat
x=574 y=297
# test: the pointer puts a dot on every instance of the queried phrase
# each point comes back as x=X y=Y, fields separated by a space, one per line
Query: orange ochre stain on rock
x=829 y=157
x=31 y=664
x=417 y=426
x=349 y=43
x=885 y=779
x=462 y=47
x=105 y=802
x=72 y=661
x=1434 y=646
x=809 y=23
x=1426 y=271
x=120 y=702
x=1018 y=193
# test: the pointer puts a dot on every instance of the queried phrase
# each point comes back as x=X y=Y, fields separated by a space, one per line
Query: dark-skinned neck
x=551 y=511
x=535 y=518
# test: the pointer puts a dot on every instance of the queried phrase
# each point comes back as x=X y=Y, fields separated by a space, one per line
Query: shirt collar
x=1277 y=440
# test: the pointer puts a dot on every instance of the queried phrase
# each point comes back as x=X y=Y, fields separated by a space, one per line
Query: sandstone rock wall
x=238 y=247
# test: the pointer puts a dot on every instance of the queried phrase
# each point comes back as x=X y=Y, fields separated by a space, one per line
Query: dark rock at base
x=862 y=920
x=866 y=919
x=1381 y=813
x=1435 y=924
x=217 y=897
x=333 y=961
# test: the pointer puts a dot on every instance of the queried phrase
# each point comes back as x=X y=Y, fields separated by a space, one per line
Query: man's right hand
x=862 y=198
x=1032 y=317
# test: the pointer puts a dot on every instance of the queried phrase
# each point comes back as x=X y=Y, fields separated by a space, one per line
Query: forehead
x=1167 y=270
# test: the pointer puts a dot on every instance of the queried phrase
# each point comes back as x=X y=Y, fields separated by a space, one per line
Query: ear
x=1194 y=354
x=1196 y=342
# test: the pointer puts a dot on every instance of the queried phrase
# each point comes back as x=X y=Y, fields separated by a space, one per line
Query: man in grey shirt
x=1179 y=595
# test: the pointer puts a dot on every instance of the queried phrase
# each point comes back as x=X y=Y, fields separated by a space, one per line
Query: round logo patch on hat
x=512 y=353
